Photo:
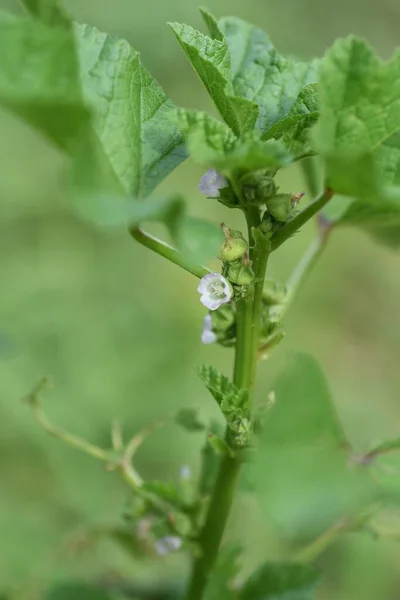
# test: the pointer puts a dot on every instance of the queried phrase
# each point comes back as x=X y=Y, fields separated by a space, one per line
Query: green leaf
x=189 y=419
x=167 y=491
x=89 y=95
x=295 y=129
x=304 y=477
x=219 y=585
x=260 y=74
x=381 y=220
x=77 y=591
x=212 y=144
x=227 y=395
x=48 y=11
x=360 y=118
x=133 y=118
x=212 y=25
x=210 y=59
x=274 y=581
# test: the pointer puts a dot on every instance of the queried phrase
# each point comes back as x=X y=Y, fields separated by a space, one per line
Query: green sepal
x=223 y=318
x=280 y=207
x=234 y=246
x=240 y=274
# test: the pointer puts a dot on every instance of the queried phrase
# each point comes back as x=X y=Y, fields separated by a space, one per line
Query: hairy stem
x=168 y=252
x=248 y=332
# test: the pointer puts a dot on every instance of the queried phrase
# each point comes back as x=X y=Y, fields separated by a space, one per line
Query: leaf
x=381 y=220
x=212 y=25
x=219 y=584
x=212 y=144
x=77 y=591
x=133 y=118
x=189 y=419
x=48 y=11
x=89 y=95
x=360 y=117
x=227 y=395
x=275 y=581
x=305 y=481
x=210 y=59
x=260 y=74
x=294 y=129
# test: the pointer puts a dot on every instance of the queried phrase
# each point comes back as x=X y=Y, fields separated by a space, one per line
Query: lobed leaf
x=359 y=129
x=305 y=482
x=260 y=74
x=210 y=59
x=295 y=129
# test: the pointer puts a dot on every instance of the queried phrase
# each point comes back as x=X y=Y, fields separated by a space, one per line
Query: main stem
x=247 y=342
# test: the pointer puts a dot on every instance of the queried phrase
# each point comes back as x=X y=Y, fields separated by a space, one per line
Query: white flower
x=211 y=183
x=207 y=335
x=215 y=290
x=185 y=472
x=168 y=544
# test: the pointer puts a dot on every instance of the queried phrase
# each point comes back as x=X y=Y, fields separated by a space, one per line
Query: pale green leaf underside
x=212 y=143
x=210 y=59
x=360 y=116
x=260 y=74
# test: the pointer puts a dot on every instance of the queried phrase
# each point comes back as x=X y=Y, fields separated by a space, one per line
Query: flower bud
x=266 y=225
x=280 y=207
x=258 y=187
x=274 y=292
x=223 y=318
x=234 y=246
x=240 y=274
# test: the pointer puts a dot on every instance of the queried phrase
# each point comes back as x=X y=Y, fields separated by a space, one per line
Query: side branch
x=168 y=252
x=299 y=220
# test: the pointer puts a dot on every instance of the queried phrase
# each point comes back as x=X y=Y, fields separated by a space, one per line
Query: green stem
x=301 y=272
x=305 y=215
x=168 y=252
x=248 y=331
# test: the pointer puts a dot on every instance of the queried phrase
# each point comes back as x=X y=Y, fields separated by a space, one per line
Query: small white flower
x=211 y=183
x=168 y=544
x=207 y=335
x=185 y=472
x=215 y=290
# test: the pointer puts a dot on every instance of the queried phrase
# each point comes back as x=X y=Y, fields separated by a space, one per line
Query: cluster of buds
x=235 y=256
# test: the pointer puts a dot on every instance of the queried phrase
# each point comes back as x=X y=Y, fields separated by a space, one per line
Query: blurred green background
x=117 y=329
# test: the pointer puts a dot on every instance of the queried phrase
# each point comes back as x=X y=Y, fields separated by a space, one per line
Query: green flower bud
x=240 y=274
x=223 y=318
x=258 y=187
x=234 y=246
x=267 y=225
x=280 y=207
x=274 y=292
